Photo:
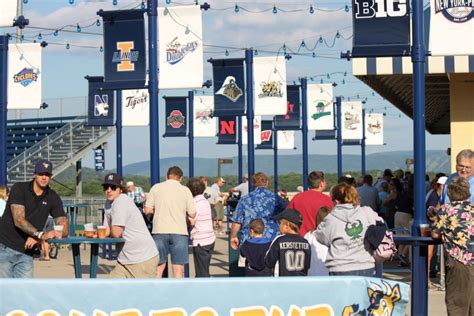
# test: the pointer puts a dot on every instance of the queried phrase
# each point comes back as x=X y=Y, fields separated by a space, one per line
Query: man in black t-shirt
x=291 y=251
x=26 y=212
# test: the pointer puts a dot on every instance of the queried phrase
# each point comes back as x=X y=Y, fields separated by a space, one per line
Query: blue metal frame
x=239 y=148
x=118 y=127
x=275 y=158
x=362 y=143
x=339 y=137
x=250 y=115
x=3 y=109
x=304 y=130
x=191 y=132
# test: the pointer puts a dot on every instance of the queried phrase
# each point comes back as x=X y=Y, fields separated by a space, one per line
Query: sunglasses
x=111 y=186
x=44 y=174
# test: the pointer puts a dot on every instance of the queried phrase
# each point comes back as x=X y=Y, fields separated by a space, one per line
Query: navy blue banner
x=99 y=158
x=176 y=118
x=101 y=103
x=227 y=133
x=229 y=86
x=291 y=120
x=381 y=28
x=124 y=49
x=266 y=135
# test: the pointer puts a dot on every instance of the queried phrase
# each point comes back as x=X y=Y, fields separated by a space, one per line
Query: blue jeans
x=14 y=264
x=366 y=273
x=176 y=245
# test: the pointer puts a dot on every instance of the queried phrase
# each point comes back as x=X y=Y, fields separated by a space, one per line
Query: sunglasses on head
x=111 y=186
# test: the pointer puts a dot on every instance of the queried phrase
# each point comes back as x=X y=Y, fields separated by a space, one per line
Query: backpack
x=380 y=241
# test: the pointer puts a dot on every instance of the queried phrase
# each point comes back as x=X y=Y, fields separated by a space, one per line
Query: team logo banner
x=8 y=12
x=290 y=120
x=269 y=75
x=227 y=130
x=351 y=120
x=204 y=123
x=266 y=135
x=124 y=49
x=320 y=107
x=101 y=103
x=257 y=128
x=381 y=28
x=180 y=47
x=135 y=107
x=286 y=139
x=448 y=18
x=24 y=76
x=175 y=116
x=229 y=86
x=374 y=129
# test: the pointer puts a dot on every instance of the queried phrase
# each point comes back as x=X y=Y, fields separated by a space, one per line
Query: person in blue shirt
x=260 y=203
x=464 y=169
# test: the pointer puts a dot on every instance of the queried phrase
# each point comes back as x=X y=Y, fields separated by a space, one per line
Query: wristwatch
x=38 y=234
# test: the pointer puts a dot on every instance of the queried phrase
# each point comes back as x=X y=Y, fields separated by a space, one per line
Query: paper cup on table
x=59 y=231
x=89 y=226
x=425 y=230
x=101 y=231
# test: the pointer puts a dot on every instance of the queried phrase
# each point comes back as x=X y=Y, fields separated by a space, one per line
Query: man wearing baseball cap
x=21 y=226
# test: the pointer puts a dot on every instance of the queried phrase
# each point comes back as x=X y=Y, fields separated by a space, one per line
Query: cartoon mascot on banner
x=382 y=302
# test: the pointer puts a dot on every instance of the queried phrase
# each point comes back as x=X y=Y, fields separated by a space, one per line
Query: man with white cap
x=136 y=194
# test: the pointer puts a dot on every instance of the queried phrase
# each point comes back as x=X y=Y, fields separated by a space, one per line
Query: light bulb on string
x=71 y=1
x=256 y=52
x=226 y=52
x=338 y=35
x=115 y=2
x=101 y=49
x=142 y=6
x=343 y=81
x=78 y=28
x=314 y=55
x=321 y=81
x=25 y=1
x=303 y=44
x=168 y=1
x=97 y=23
x=40 y=37
x=275 y=10
x=320 y=39
x=68 y=46
x=346 y=8
x=236 y=8
x=56 y=33
x=311 y=10
x=328 y=76
x=22 y=37
x=345 y=73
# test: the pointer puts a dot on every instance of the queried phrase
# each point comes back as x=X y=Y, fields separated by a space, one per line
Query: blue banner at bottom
x=315 y=296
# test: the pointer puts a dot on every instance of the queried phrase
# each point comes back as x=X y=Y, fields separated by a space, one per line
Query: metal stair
x=63 y=148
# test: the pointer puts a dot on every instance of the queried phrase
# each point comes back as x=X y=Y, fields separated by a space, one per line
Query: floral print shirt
x=455 y=223
x=260 y=203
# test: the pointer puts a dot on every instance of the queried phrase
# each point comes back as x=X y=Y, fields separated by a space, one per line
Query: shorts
x=174 y=244
x=219 y=211
x=146 y=269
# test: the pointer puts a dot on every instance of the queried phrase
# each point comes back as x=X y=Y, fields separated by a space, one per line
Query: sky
x=65 y=89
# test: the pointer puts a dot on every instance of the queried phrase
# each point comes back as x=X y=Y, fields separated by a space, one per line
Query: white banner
x=8 y=12
x=269 y=82
x=351 y=120
x=257 y=130
x=286 y=139
x=320 y=107
x=135 y=107
x=204 y=124
x=24 y=76
x=451 y=28
x=180 y=47
x=374 y=129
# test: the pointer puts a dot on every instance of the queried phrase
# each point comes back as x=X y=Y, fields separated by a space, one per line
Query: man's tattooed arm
x=18 y=213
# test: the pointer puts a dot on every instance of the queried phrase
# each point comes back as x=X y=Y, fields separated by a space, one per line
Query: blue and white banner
x=205 y=125
x=351 y=120
x=8 y=12
x=99 y=158
x=227 y=133
x=101 y=103
x=135 y=107
x=290 y=120
x=229 y=86
x=257 y=127
x=24 y=76
x=269 y=84
x=176 y=116
x=320 y=107
x=180 y=47
x=286 y=139
x=381 y=28
x=266 y=135
x=124 y=49
x=374 y=129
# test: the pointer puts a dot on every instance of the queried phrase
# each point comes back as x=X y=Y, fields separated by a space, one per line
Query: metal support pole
x=118 y=127
x=419 y=299
x=339 y=137
x=3 y=108
x=304 y=130
x=153 y=91
x=275 y=158
x=239 y=148
x=191 y=132
x=362 y=143
x=79 y=178
x=250 y=115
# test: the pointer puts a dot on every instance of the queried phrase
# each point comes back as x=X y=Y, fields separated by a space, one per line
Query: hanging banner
x=448 y=18
x=204 y=123
x=286 y=139
x=374 y=129
x=24 y=76
x=175 y=116
x=257 y=128
x=124 y=49
x=266 y=135
x=101 y=103
x=351 y=120
x=135 y=107
x=229 y=86
x=180 y=47
x=320 y=107
x=227 y=130
x=8 y=12
x=381 y=28
x=269 y=79
x=290 y=120
x=99 y=158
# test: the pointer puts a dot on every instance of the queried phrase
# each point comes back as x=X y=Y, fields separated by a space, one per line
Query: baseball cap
x=291 y=215
x=348 y=176
x=44 y=166
x=129 y=183
x=113 y=179
x=246 y=176
x=221 y=179
x=442 y=180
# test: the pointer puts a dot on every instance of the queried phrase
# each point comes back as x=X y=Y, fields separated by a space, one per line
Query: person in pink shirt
x=202 y=233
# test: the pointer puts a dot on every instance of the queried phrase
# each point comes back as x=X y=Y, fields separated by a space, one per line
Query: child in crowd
x=318 y=251
x=291 y=251
x=254 y=250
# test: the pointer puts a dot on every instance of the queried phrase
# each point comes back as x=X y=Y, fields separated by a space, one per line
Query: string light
x=40 y=37
x=346 y=8
x=97 y=23
x=226 y=52
x=115 y=2
x=314 y=55
x=303 y=44
x=68 y=46
x=236 y=9
x=338 y=35
x=275 y=10
x=25 y=1
x=320 y=39
x=78 y=28
x=71 y=1
x=142 y=6
x=256 y=52
x=56 y=33
x=311 y=10
x=101 y=49
x=168 y=1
